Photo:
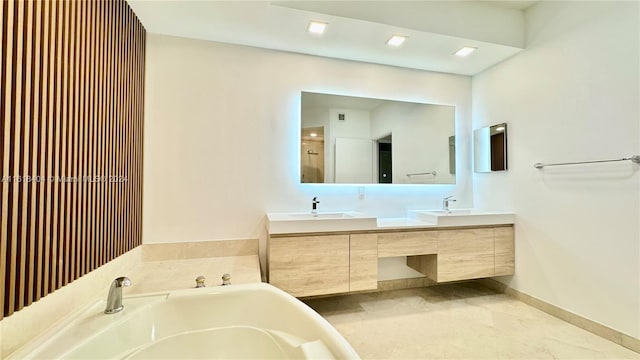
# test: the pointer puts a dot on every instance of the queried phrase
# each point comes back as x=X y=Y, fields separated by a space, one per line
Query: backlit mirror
x=355 y=140
x=490 y=148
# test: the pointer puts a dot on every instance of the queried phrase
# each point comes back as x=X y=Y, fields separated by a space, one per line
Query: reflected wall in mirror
x=490 y=148
x=355 y=140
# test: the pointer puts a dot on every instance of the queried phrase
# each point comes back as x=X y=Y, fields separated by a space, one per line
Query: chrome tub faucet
x=114 y=300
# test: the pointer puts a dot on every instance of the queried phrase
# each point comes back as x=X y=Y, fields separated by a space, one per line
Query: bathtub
x=252 y=321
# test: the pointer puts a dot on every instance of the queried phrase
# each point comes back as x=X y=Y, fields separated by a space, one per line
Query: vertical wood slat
x=14 y=157
x=23 y=166
x=3 y=250
x=41 y=257
x=63 y=242
x=48 y=285
x=91 y=95
x=71 y=107
x=73 y=147
x=33 y=150
x=102 y=109
x=5 y=98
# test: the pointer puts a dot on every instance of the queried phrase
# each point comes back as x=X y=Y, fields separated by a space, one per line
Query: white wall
x=222 y=137
x=572 y=95
x=420 y=140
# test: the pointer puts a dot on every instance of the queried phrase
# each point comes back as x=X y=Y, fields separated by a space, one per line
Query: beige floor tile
x=458 y=321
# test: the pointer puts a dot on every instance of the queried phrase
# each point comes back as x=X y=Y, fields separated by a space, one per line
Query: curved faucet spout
x=445 y=203
x=114 y=300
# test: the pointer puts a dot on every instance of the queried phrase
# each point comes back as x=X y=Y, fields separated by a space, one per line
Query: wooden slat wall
x=71 y=130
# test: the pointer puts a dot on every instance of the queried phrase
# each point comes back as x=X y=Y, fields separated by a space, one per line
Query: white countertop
x=292 y=223
x=403 y=222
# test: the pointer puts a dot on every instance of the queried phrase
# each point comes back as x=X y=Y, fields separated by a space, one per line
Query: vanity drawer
x=407 y=243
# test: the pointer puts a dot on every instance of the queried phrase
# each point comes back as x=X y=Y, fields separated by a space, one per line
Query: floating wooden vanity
x=330 y=263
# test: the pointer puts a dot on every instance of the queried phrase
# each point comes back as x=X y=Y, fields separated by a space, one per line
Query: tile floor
x=458 y=321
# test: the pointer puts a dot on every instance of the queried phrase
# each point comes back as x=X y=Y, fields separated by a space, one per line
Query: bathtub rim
x=337 y=342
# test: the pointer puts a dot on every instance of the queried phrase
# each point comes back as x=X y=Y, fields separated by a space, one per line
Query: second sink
x=462 y=217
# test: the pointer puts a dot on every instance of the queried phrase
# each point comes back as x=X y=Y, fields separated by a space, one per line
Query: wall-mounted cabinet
x=323 y=264
x=465 y=254
x=330 y=264
x=504 y=250
x=363 y=262
x=407 y=243
x=310 y=265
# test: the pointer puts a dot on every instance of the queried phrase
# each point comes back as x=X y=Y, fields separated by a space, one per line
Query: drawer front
x=310 y=265
x=505 y=251
x=407 y=243
x=465 y=254
x=363 y=256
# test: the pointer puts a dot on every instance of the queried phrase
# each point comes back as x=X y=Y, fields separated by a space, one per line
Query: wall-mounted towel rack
x=634 y=158
x=424 y=173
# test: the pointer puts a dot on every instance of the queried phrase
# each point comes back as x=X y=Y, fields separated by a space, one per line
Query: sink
x=462 y=217
x=309 y=216
x=291 y=223
x=452 y=212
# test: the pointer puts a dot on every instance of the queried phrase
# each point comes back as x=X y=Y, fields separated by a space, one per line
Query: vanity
x=356 y=140
x=339 y=256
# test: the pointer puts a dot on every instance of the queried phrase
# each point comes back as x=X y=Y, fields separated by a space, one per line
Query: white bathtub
x=253 y=321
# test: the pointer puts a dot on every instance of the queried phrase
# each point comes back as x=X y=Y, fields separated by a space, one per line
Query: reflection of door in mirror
x=312 y=155
x=385 y=161
x=490 y=148
x=497 y=152
x=353 y=161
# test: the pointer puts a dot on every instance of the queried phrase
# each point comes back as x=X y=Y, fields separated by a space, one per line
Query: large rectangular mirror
x=490 y=148
x=355 y=140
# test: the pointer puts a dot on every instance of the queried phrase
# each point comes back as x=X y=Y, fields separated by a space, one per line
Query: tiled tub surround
x=181 y=274
x=26 y=324
x=199 y=249
x=150 y=267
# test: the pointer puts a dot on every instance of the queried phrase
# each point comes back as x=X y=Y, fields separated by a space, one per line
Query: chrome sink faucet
x=445 y=203
x=314 y=203
x=114 y=300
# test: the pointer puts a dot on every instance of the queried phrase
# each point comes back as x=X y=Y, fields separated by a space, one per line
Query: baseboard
x=574 y=319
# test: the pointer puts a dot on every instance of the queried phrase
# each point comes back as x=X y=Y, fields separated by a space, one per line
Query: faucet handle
x=449 y=197
x=200 y=281
x=226 y=279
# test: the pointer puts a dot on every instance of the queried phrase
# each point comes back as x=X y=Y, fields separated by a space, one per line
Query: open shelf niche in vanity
x=322 y=263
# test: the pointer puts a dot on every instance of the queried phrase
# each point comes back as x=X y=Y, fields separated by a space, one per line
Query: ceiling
x=356 y=30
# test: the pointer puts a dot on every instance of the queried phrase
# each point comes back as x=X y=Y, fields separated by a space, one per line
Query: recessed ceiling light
x=465 y=51
x=396 y=40
x=316 y=27
x=313 y=134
